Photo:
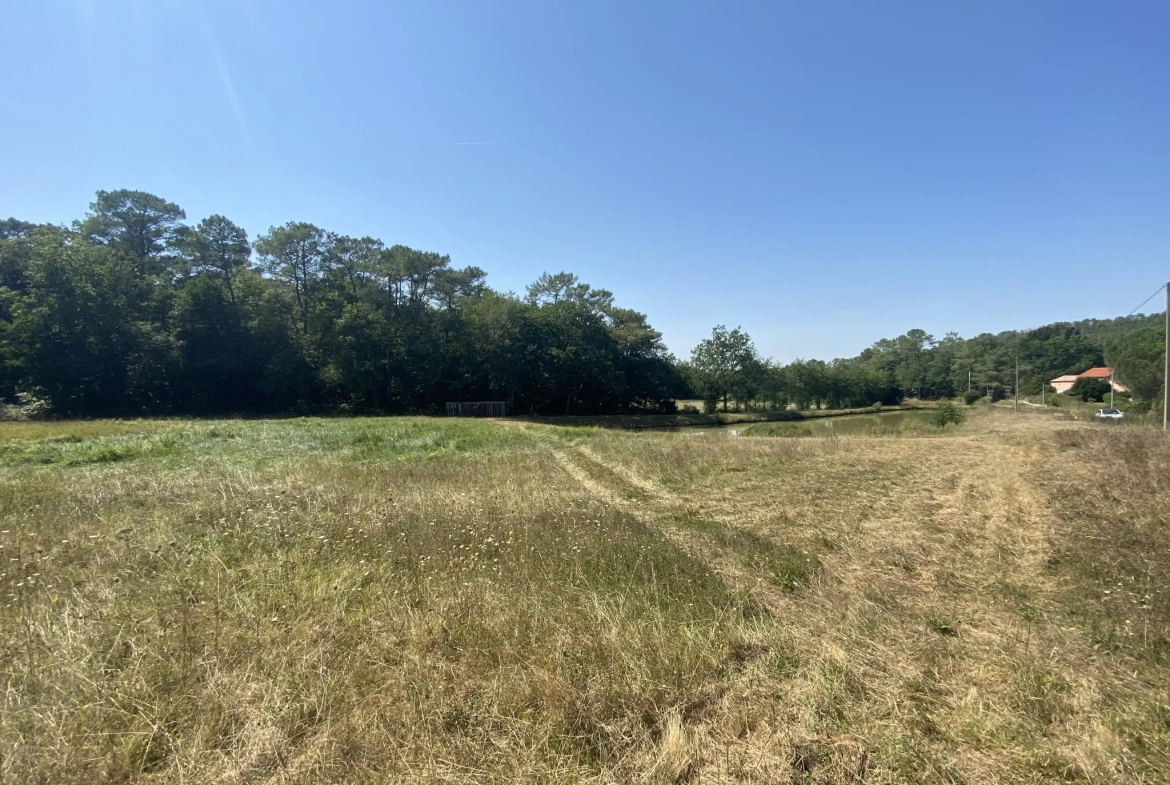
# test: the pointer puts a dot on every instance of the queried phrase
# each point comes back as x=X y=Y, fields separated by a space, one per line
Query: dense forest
x=132 y=310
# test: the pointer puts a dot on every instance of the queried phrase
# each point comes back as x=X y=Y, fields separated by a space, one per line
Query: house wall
x=1063 y=387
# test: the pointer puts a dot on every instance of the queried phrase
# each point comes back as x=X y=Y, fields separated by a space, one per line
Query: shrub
x=946 y=412
x=1141 y=407
x=943 y=626
x=1090 y=389
x=28 y=407
x=971 y=396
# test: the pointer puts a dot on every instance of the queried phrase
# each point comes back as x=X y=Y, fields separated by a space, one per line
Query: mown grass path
x=660 y=510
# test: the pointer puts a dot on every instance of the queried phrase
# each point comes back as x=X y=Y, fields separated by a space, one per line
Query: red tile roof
x=1096 y=373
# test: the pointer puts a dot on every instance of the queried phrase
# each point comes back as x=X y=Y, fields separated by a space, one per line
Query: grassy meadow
x=437 y=601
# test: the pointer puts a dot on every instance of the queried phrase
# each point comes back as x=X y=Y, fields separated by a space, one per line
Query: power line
x=1151 y=297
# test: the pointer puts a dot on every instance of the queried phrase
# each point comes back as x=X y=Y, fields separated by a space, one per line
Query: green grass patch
x=259 y=442
x=943 y=626
x=73 y=450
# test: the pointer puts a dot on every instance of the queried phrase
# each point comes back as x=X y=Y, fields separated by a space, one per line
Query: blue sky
x=824 y=174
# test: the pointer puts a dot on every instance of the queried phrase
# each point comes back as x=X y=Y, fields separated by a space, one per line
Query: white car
x=1109 y=414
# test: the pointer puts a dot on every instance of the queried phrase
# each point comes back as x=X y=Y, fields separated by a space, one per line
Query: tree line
x=727 y=368
x=132 y=310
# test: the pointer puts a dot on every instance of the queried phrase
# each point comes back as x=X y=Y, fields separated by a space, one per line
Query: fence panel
x=476 y=409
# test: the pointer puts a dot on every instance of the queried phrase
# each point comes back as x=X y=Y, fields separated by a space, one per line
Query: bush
x=29 y=406
x=945 y=413
x=688 y=408
x=1090 y=389
x=1141 y=407
x=971 y=396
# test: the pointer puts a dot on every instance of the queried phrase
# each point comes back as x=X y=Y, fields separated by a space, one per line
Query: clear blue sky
x=824 y=174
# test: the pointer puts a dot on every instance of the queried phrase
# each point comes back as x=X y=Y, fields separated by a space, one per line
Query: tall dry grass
x=428 y=601
x=336 y=601
x=1112 y=494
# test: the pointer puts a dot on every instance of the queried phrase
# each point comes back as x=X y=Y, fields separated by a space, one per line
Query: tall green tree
x=73 y=333
x=296 y=254
x=725 y=364
x=650 y=380
x=551 y=289
x=216 y=246
x=138 y=224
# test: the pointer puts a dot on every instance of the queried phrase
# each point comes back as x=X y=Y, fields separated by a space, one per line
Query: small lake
x=877 y=423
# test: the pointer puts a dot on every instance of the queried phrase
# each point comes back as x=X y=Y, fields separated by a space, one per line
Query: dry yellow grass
x=428 y=601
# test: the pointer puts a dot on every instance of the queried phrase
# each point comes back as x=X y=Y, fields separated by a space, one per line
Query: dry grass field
x=418 y=600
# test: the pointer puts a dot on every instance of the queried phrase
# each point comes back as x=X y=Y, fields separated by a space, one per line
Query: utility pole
x=1017 y=382
x=1166 y=385
x=968 y=381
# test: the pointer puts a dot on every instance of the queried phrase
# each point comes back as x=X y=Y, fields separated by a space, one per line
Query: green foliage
x=1141 y=407
x=138 y=225
x=726 y=365
x=132 y=311
x=942 y=626
x=552 y=289
x=28 y=406
x=1090 y=389
x=971 y=396
x=946 y=413
x=1138 y=357
x=216 y=246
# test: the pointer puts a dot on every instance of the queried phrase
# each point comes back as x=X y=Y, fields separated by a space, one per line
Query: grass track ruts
x=695 y=545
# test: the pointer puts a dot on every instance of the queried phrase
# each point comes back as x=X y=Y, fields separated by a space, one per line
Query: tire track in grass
x=776 y=754
x=648 y=512
x=781 y=564
x=649 y=487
